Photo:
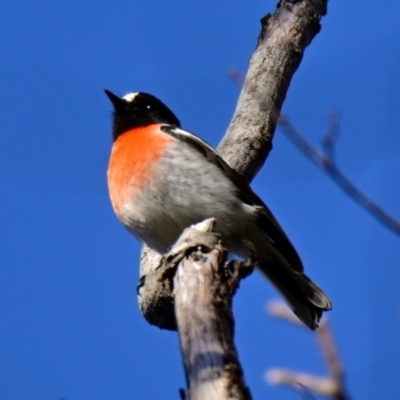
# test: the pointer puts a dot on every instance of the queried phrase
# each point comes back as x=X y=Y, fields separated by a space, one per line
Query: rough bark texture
x=248 y=140
x=155 y=293
x=204 y=284
x=281 y=44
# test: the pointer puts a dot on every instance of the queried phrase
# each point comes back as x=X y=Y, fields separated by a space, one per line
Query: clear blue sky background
x=70 y=327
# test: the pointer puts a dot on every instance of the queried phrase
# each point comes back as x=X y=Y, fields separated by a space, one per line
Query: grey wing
x=265 y=219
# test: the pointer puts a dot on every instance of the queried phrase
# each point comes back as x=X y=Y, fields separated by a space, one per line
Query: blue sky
x=70 y=327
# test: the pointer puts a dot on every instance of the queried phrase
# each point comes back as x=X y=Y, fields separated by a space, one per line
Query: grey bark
x=282 y=41
x=204 y=284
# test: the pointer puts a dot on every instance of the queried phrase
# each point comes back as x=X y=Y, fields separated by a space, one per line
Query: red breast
x=134 y=155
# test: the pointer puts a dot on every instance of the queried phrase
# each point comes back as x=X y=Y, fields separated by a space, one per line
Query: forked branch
x=331 y=386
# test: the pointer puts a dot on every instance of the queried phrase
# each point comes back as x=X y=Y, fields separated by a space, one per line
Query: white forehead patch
x=130 y=97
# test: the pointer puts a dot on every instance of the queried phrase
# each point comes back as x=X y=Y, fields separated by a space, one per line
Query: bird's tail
x=278 y=260
x=304 y=297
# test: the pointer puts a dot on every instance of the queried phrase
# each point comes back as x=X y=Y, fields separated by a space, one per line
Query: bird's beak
x=118 y=103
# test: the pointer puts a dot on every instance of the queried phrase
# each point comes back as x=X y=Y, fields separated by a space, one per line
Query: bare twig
x=329 y=140
x=325 y=159
x=332 y=361
x=278 y=309
x=331 y=386
x=298 y=381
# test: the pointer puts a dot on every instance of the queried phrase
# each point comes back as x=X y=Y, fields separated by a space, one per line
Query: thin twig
x=325 y=159
x=329 y=140
x=278 y=309
x=299 y=382
x=331 y=386
x=326 y=163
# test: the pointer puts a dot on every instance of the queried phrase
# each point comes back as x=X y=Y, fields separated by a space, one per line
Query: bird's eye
x=148 y=106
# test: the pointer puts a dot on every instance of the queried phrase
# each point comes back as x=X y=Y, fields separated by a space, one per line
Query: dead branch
x=331 y=386
x=204 y=284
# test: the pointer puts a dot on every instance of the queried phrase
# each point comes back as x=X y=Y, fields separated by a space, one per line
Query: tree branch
x=282 y=41
x=204 y=284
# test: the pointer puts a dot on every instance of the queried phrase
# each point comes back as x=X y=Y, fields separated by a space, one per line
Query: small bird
x=162 y=179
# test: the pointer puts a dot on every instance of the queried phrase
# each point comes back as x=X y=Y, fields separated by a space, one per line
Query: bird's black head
x=138 y=109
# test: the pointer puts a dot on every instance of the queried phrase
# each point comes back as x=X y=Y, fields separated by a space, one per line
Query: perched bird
x=162 y=179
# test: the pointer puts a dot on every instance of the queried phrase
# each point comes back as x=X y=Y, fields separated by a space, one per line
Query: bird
x=162 y=179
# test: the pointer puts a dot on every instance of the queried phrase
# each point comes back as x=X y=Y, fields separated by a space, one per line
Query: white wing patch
x=196 y=139
x=130 y=97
